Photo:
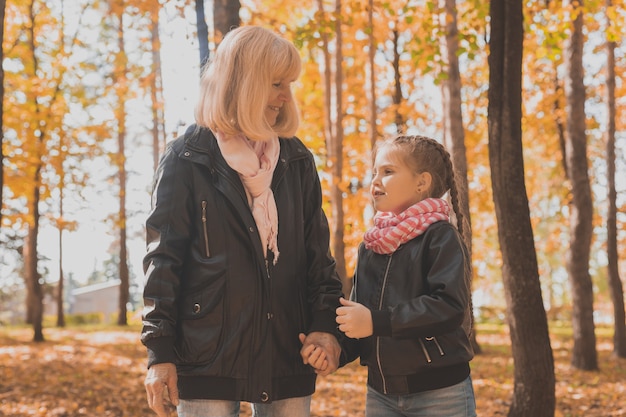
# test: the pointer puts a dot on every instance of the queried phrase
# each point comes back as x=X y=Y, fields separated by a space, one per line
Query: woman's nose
x=285 y=95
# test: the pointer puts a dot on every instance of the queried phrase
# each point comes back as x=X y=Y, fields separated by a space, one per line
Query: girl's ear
x=423 y=182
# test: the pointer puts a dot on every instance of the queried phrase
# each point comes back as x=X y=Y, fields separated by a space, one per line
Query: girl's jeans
x=290 y=407
x=455 y=401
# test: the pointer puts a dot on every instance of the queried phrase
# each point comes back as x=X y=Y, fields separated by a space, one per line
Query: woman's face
x=280 y=93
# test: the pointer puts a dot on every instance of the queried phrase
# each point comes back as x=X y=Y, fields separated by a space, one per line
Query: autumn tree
x=454 y=131
x=203 y=33
x=3 y=4
x=155 y=80
x=534 y=389
x=371 y=76
x=584 y=354
x=225 y=17
x=121 y=93
x=615 y=283
x=36 y=92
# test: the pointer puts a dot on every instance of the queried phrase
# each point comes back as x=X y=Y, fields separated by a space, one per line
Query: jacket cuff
x=161 y=350
x=381 y=320
x=324 y=321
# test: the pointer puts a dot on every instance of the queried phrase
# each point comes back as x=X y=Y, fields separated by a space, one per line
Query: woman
x=238 y=267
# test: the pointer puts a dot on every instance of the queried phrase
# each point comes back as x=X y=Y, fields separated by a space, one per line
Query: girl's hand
x=354 y=319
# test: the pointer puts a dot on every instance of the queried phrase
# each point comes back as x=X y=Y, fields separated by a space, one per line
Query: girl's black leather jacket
x=227 y=317
x=419 y=297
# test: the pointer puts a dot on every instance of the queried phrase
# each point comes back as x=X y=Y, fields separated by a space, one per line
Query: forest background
x=93 y=91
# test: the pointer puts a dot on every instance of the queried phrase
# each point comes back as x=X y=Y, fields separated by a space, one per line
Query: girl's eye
x=277 y=85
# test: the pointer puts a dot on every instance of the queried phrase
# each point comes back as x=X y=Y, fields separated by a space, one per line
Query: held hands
x=321 y=351
x=160 y=377
x=354 y=319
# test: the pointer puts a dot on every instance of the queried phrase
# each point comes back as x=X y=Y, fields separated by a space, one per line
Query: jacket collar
x=201 y=139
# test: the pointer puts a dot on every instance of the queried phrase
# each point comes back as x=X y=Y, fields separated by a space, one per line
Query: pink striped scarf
x=391 y=231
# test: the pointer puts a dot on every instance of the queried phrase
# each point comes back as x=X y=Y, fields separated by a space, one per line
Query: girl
x=408 y=318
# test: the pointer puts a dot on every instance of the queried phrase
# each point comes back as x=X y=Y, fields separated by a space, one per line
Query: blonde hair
x=235 y=85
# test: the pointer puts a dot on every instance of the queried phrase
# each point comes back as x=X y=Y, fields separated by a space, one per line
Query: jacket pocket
x=201 y=324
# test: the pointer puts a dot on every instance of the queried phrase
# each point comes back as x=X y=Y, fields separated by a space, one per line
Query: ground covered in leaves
x=98 y=372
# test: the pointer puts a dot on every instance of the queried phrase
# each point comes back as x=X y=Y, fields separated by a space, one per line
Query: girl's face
x=280 y=93
x=395 y=186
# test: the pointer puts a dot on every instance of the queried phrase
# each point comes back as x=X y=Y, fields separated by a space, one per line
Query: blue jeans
x=290 y=407
x=455 y=401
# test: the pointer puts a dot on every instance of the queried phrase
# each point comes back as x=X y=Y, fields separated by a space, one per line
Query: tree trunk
x=34 y=297
x=328 y=122
x=337 y=158
x=225 y=17
x=534 y=384
x=156 y=89
x=120 y=115
x=397 y=94
x=615 y=283
x=584 y=355
x=34 y=293
x=2 y=8
x=60 y=286
x=454 y=132
x=203 y=33
x=372 y=73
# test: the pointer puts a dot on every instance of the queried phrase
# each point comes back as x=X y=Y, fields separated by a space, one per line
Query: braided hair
x=423 y=154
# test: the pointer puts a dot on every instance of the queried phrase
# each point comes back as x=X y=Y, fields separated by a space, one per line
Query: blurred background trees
x=92 y=91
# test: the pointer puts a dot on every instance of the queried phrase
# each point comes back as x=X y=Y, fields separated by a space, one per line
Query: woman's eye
x=277 y=85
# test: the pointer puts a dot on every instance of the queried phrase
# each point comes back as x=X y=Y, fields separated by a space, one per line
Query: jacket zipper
x=380 y=307
x=204 y=227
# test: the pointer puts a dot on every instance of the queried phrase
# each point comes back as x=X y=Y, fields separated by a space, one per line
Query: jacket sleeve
x=323 y=283
x=350 y=348
x=167 y=239
x=443 y=306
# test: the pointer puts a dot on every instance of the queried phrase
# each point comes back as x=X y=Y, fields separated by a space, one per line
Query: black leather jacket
x=419 y=299
x=228 y=318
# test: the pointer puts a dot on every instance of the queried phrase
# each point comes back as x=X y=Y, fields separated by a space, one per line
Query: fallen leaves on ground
x=99 y=373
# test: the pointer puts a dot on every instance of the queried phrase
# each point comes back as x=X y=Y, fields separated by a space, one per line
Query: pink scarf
x=255 y=162
x=391 y=231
